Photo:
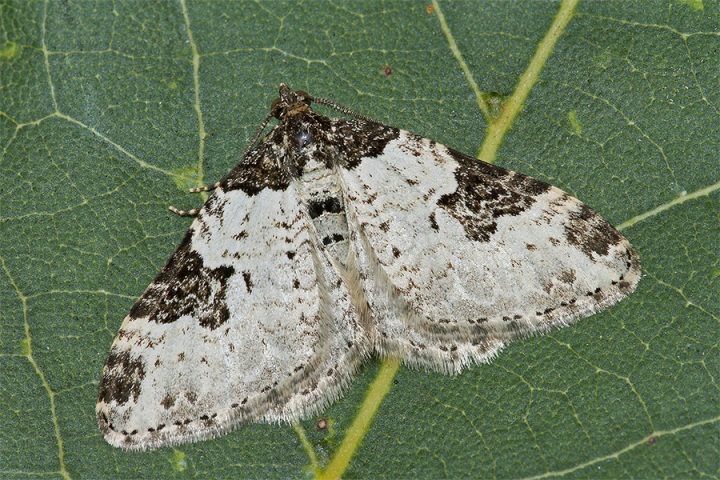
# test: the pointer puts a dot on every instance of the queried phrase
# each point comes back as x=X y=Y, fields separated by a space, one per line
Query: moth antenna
x=257 y=135
x=346 y=111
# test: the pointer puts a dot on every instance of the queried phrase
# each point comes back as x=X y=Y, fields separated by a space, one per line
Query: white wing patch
x=333 y=239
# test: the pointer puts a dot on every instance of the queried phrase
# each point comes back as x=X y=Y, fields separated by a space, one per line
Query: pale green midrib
x=196 y=85
x=314 y=464
x=28 y=353
x=103 y=137
x=62 y=469
x=497 y=129
x=46 y=55
x=615 y=455
x=357 y=431
x=703 y=192
x=482 y=105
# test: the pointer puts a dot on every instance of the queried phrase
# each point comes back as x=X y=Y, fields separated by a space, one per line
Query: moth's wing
x=246 y=322
x=459 y=257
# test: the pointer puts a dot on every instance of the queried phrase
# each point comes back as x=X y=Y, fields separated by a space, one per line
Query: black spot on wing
x=485 y=193
x=281 y=155
x=261 y=168
x=356 y=139
x=122 y=376
x=248 y=281
x=186 y=287
x=334 y=238
x=168 y=401
x=589 y=232
x=325 y=205
x=433 y=222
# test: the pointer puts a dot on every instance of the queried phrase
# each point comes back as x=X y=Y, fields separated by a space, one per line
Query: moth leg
x=185 y=213
x=194 y=211
x=205 y=188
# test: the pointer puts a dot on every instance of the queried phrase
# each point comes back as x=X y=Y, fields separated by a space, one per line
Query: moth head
x=290 y=103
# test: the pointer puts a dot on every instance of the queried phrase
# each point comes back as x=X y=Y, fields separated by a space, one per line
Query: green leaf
x=109 y=111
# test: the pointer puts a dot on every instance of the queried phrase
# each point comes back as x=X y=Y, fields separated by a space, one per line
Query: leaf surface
x=109 y=111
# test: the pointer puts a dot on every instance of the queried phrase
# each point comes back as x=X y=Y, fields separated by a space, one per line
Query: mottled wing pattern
x=334 y=238
x=247 y=321
x=459 y=257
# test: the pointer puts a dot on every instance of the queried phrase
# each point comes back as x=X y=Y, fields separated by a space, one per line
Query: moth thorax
x=304 y=139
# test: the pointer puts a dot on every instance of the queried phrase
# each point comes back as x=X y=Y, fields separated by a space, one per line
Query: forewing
x=246 y=322
x=458 y=256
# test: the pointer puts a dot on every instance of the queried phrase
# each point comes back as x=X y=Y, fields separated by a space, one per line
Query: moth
x=337 y=239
